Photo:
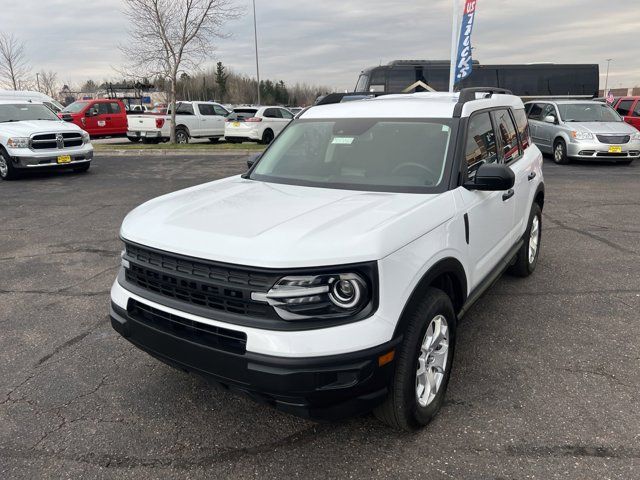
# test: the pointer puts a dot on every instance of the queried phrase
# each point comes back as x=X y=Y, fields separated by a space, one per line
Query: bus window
x=363 y=83
x=399 y=79
x=378 y=80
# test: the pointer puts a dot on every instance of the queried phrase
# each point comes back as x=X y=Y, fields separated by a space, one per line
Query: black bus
x=527 y=80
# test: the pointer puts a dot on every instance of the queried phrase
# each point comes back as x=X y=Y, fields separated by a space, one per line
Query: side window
x=184 y=109
x=206 y=109
x=220 y=111
x=535 y=112
x=523 y=128
x=286 y=114
x=481 y=143
x=103 y=108
x=271 y=113
x=624 y=107
x=115 y=107
x=636 y=110
x=507 y=137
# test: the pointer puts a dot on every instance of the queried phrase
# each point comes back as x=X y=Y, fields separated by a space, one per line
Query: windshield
x=360 y=154
x=25 y=111
x=75 y=107
x=588 y=112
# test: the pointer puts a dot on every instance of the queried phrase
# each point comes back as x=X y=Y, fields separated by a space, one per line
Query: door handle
x=510 y=193
x=531 y=176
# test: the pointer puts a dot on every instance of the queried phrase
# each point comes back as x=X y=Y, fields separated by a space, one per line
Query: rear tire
x=182 y=136
x=428 y=348
x=527 y=257
x=560 y=152
x=267 y=137
x=7 y=171
x=134 y=139
x=214 y=139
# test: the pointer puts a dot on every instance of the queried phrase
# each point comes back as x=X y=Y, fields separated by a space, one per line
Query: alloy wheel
x=4 y=168
x=534 y=239
x=558 y=153
x=432 y=360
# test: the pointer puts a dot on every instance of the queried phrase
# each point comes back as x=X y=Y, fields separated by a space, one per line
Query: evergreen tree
x=221 y=81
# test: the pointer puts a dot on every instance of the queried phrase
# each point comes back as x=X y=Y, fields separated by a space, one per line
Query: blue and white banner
x=464 y=62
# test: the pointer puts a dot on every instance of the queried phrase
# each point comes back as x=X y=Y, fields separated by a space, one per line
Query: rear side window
x=535 y=112
x=115 y=107
x=184 y=109
x=523 y=128
x=507 y=136
x=636 y=110
x=481 y=143
x=624 y=108
x=206 y=109
x=272 y=113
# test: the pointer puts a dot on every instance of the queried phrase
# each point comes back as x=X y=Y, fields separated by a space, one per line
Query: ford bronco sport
x=328 y=280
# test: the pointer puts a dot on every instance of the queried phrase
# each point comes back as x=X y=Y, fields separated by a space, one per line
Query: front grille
x=614 y=139
x=199 y=283
x=196 y=332
x=45 y=141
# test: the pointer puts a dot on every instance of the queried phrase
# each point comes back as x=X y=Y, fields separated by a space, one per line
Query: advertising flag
x=464 y=62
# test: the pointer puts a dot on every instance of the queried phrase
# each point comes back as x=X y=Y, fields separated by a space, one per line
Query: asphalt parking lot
x=545 y=381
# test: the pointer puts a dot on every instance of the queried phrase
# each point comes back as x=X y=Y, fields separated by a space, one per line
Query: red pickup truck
x=104 y=117
x=629 y=108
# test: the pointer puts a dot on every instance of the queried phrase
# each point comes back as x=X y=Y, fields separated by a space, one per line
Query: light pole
x=38 y=80
x=606 y=78
x=255 y=36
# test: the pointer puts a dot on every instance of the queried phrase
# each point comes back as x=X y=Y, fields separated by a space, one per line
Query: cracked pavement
x=545 y=382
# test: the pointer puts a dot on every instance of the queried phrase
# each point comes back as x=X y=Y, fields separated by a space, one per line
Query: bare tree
x=170 y=37
x=48 y=82
x=13 y=63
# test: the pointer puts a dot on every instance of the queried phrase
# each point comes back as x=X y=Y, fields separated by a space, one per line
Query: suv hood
x=247 y=222
x=30 y=127
x=604 y=127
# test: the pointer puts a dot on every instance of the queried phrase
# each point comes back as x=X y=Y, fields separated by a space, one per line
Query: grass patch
x=188 y=146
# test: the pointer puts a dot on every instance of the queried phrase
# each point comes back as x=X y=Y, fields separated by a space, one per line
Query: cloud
x=330 y=42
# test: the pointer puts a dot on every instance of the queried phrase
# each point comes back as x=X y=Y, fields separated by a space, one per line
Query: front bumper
x=323 y=388
x=594 y=150
x=31 y=160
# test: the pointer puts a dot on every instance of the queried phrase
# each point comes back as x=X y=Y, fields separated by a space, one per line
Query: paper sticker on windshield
x=342 y=140
x=445 y=128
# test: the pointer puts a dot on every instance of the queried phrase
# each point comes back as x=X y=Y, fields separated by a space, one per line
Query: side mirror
x=492 y=177
x=550 y=119
x=253 y=159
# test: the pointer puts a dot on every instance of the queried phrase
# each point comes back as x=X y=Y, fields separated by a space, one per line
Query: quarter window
x=507 y=136
x=286 y=114
x=523 y=128
x=481 y=143
x=220 y=111
x=549 y=110
x=624 y=108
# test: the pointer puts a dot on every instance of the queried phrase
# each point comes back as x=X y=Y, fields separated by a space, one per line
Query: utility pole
x=255 y=35
x=606 y=78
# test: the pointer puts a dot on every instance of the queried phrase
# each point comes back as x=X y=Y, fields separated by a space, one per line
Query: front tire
x=560 y=152
x=527 y=257
x=423 y=364
x=7 y=171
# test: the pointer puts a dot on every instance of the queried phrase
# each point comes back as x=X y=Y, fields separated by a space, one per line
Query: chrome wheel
x=558 y=153
x=534 y=239
x=4 y=168
x=181 y=137
x=432 y=360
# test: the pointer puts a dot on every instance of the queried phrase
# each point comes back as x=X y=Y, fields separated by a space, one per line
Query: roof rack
x=340 y=97
x=469 y=94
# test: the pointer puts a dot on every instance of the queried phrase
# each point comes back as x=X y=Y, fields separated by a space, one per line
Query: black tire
x=7 y=171
x=182 y=136
x=82 y=168
x=267 y=136
x=559 y=154
x=401 y=409
x=214 y=139
x=134 y=139
x=522 y=266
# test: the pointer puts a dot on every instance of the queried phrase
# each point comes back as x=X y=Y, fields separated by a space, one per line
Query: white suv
x=329 y=279
x=257 y=124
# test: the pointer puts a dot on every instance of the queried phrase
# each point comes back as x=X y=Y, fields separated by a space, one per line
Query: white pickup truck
x=193 y=120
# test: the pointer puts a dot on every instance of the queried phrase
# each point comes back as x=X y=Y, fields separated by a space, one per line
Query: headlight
x=86 y=138
x=318 y=296
x=582 y=135
x=18 y=142
x=635 y=136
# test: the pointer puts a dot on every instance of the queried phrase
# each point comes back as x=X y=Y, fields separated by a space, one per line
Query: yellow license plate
x=236 y=124
x=615 y=149
x=64 y=159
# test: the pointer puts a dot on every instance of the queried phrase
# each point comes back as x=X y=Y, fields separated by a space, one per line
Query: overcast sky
x=328 y=42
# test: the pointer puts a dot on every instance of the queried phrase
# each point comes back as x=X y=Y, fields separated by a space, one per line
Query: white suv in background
x=256 y=124
x=329 y=279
